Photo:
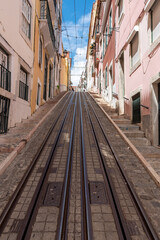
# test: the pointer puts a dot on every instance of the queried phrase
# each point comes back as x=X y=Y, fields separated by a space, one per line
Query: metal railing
x=45 y=14
x=5 y=78
x=23 y=90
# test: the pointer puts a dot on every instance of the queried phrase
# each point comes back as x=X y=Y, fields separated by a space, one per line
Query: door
x=100 y=82
x=121 y=84
x=159 y=113
x=45 y=78
x=4 y=114
x=50 y=73
x=136 y=109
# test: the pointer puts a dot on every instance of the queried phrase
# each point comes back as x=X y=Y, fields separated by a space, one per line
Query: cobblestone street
x=101 y=171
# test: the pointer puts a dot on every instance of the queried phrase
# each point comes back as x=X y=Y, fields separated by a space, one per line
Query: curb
x=8 y=160
x=147 y=166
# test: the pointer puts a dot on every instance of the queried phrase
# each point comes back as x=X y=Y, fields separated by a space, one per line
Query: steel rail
x=64 y=208
x=13 y=199
x=87 y=220
x=25 y=232
x=117 y=211
x=149 y=229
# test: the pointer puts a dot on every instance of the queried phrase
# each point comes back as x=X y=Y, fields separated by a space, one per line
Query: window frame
x=110 y=21
x=131 y=50
x=151 y=12
x=28 y=19
x=25 y=97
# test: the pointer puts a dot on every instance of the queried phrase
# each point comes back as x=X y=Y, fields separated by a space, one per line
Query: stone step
x=122 y=121
x=128 y=127
x=140 y=141
x=116 y=116
x=109 y=110
x=135 y=134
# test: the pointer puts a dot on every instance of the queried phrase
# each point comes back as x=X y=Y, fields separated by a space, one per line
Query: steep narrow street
x=79 y=179
x=79 y=120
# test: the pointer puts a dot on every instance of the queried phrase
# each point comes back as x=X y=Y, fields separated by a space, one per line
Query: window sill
x=134 y=68
x=153 y=46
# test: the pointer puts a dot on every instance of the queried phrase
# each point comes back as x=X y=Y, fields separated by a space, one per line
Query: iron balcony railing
x=45 y=14
x=5 y=78
x=23 y=91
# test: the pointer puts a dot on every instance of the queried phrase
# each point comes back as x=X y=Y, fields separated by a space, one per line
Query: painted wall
x=143 y=77
x=20 y=50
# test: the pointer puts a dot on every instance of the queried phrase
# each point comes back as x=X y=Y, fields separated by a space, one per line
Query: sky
x=75 y=25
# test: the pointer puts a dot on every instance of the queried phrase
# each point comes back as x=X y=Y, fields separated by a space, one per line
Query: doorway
x=136 y=107
x=121 y=84
x=4 y=113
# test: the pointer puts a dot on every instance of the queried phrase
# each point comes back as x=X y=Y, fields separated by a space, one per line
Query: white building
x=16 y=60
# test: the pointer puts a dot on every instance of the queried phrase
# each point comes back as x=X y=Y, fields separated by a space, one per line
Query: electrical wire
x=83 y=21
x=66 y=33
x=75 y=21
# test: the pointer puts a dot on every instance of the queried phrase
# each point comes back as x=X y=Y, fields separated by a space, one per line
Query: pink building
x=137 y=68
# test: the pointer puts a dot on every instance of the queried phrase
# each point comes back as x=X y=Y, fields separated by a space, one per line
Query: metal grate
x=53 y=195
x=97 y=193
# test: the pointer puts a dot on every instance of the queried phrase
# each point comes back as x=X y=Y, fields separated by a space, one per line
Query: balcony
x=5 y=78
x=46 y=28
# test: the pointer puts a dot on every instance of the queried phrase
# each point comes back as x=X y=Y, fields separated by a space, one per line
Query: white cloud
x=78 y=65
x=77 y=46
x=85 y=19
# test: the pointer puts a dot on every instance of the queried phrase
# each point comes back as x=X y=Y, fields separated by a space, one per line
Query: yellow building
x=46 y=53
x=65 y=71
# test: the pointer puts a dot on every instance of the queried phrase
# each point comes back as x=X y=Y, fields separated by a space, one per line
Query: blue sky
x=74 y=42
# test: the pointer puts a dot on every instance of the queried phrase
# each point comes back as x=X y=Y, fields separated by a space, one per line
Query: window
x=5 y=74
x=40 y=51
x=26 y=18
x=110 y=22
x=120 y=8
x=155 y=21
x=23 y=87
x=38 y=94
x=106 y=78
x=134 y=46
x=106 y=37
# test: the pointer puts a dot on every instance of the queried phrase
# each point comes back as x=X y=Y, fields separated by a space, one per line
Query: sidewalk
x=16 y=138
x=148 y=155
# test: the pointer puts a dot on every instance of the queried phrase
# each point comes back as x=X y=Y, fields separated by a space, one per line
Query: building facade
x=137 y=68
x=65 y=77
x=16 y=61
x=47 y=52
x=124 y=60
x=30 y=57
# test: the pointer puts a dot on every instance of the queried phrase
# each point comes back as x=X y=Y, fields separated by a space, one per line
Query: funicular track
x=25 y=228
x=66 y=199
x=121 y=222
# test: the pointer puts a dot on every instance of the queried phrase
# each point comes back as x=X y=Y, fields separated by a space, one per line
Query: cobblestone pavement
x=150 y=153
x=22 y=132
x=102 y=213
